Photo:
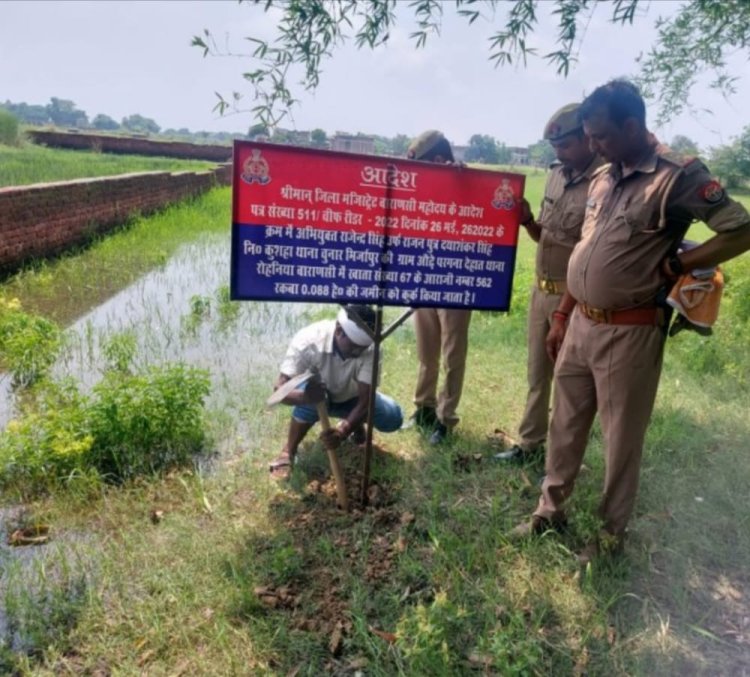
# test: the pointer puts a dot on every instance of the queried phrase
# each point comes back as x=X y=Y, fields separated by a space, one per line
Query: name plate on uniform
x=330 y=227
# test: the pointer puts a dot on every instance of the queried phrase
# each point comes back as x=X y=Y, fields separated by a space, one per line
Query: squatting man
x=341 y=353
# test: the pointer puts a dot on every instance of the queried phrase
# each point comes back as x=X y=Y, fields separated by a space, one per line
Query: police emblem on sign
x=255 y=169
x=504 y=197
x=712 y=192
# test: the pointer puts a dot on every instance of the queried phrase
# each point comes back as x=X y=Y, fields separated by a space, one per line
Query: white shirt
x=313 y=348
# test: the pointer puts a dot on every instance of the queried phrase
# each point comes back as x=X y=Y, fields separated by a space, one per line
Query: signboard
x=320 y=226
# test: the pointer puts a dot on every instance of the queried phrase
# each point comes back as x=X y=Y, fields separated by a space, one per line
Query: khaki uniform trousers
x=532 y=431
x=612 y=369
x=446 y=330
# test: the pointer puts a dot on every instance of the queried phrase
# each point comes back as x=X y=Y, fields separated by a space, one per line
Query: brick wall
x=125 y=145
x=44 y=219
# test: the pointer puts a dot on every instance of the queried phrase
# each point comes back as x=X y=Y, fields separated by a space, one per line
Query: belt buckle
x=547 y=286
x=596 y=314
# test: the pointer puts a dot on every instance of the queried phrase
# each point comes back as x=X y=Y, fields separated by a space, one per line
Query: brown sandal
x=280 y=467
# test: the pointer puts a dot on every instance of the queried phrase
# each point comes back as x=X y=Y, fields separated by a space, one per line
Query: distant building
x=353 y=144
x=518 y=155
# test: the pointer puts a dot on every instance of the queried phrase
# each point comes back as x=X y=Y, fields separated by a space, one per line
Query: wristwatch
x=675 y=265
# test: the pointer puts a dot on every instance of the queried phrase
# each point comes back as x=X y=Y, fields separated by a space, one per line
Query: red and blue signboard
x=321 y=226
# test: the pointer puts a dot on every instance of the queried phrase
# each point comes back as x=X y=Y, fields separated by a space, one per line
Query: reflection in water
x=241 y=353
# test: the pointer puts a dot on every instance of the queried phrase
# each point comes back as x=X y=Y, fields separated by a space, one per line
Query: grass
x=225 y=572
x=28 y=164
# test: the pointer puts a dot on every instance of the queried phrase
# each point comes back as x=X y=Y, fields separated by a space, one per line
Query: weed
x=42 y=605
x=119 y=351
x=29 y=344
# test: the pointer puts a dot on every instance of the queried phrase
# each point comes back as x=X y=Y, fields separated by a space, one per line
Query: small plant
x=431 y=638
x=29 y=344
x=200 y=306
x=120 y=351
x=228 y=309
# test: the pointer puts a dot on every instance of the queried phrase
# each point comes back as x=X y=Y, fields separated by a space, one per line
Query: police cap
x=424 y=143
x=563 y=122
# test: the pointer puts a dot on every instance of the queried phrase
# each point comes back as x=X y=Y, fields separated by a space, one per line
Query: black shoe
x=517 y=454
x=439 y=435
x=424 y=418
x=536 y=526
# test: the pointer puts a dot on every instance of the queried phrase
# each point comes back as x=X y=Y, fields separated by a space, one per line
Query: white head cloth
x=355 y=334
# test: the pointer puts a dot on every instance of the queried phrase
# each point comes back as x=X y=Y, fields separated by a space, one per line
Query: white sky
x=121 y=58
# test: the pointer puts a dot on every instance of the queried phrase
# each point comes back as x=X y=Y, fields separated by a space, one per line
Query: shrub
x=147 y=422
x=29 y=344
x=8 y=128
x=45 y=447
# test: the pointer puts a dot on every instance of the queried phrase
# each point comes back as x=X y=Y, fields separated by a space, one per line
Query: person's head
x=350 y=338
x=614 y=119
x=431 y=146
x=564 y=131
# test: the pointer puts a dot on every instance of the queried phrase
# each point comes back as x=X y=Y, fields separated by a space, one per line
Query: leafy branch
x=697 y=38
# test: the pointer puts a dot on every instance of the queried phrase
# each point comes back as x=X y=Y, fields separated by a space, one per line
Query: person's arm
x=336 y=435
x=559 y=325
x=527 y=221
x=719 y=248
x=696 y=195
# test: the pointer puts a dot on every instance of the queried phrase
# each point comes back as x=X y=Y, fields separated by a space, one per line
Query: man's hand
x=526 y=216
x=332 y=438
x=556 y=335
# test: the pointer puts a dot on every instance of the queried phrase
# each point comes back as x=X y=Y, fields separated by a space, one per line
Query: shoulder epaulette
x=688 y=163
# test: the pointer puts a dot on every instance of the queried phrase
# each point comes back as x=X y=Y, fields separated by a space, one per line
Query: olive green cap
x=424 y=143
x=563 y=122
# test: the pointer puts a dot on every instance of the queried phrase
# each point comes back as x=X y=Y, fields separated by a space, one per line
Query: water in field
x=180 y=313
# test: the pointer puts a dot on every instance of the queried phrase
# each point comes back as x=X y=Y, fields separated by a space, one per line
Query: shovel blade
x=292 y=384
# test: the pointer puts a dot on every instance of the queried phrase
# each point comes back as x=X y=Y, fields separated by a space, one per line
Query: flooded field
x=180 y=312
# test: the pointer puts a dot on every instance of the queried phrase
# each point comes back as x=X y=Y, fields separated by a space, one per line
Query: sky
x=121 y=58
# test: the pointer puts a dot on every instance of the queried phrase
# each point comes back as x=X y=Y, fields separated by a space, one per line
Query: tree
x=482 y=148
x=8 y=128
x=731 y=163
x=32 y=114
x=64 y=113
x=685 y=145
x=698 y=38
x=140 y=124
x=541 y=153
x=102 y=121
x=503 y=154
x=319 y=138
x=257 y=130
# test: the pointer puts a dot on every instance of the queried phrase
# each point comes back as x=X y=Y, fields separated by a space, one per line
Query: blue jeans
x=387 y=418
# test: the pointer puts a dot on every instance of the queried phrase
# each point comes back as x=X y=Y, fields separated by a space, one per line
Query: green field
x=219 y=571
x=29 y=164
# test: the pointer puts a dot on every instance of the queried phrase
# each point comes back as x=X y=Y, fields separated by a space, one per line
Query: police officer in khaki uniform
x=438 y=330
x=557 y=232
x=639 y=208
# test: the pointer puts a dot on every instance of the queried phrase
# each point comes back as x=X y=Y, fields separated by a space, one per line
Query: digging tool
x=280 y=394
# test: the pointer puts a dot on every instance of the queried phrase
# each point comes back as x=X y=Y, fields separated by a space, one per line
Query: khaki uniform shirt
x=634 y=221
x=312 y=348
x=560 y=218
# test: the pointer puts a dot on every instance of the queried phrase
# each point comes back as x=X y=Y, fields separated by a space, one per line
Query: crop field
x=27 y=164
x=135 y=447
